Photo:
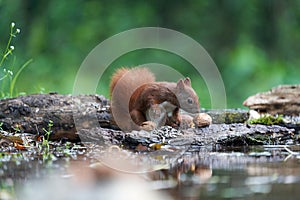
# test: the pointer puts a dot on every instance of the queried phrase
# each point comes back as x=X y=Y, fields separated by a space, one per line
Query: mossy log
x=33 y=114
x=87 y=117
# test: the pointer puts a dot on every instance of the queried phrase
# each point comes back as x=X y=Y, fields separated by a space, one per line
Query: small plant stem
x=7 y=51
x=13 y=82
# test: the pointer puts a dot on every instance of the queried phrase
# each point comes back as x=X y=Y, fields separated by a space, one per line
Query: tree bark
x=284 y=99
x=34 y=113
x=88 y=118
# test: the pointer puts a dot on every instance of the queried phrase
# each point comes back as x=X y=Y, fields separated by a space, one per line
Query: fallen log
x=88 y=118
x=68 y=114
x=34 y=113
x=236 y=134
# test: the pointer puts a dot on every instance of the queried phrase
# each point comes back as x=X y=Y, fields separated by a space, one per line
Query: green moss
x=267 y=120
x=236 y=117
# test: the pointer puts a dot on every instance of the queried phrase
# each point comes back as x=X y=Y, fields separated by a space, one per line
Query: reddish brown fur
x=146 y=96
x=134 y=91
x=116 y=77
x=123 y=84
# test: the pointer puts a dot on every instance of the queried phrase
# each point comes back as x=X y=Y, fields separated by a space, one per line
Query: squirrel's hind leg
x=148 y=126
x=137 y=117
x=140 y=121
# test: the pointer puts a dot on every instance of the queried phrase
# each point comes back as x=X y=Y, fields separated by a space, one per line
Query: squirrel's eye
x=190 y=101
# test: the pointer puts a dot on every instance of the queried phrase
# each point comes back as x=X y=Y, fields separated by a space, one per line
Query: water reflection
x=237 y=175
x=208 y=173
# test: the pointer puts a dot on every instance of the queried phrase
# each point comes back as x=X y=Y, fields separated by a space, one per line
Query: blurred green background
x=255 y=44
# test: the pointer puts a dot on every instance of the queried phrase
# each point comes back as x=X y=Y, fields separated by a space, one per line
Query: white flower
x=7 y=71
x=12 y=47
x=10 y=72
x=12 y=24
x=18 y=30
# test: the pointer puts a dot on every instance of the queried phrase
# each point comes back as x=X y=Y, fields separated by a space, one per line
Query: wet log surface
x=87 y=118
x=33 y=113
x=284 y=99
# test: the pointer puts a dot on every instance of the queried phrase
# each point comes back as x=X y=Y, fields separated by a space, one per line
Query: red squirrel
x=138 y=102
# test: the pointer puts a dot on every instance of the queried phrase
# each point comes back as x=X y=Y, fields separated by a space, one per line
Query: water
x=237 y=176
x=258 y=172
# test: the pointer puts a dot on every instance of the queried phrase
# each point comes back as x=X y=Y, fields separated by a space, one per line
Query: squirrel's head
x=187 y=97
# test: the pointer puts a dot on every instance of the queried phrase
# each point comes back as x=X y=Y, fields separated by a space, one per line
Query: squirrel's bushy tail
x=123 y=83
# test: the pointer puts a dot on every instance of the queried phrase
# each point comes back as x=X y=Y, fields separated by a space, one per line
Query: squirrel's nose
x=196 y=110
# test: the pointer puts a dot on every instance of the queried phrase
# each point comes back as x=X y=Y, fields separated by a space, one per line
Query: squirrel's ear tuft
x=180 y=84
x=187 y=81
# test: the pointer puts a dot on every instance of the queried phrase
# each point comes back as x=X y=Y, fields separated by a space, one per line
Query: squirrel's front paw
x=186 y=121
x=148 y=126
x=202 y=120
